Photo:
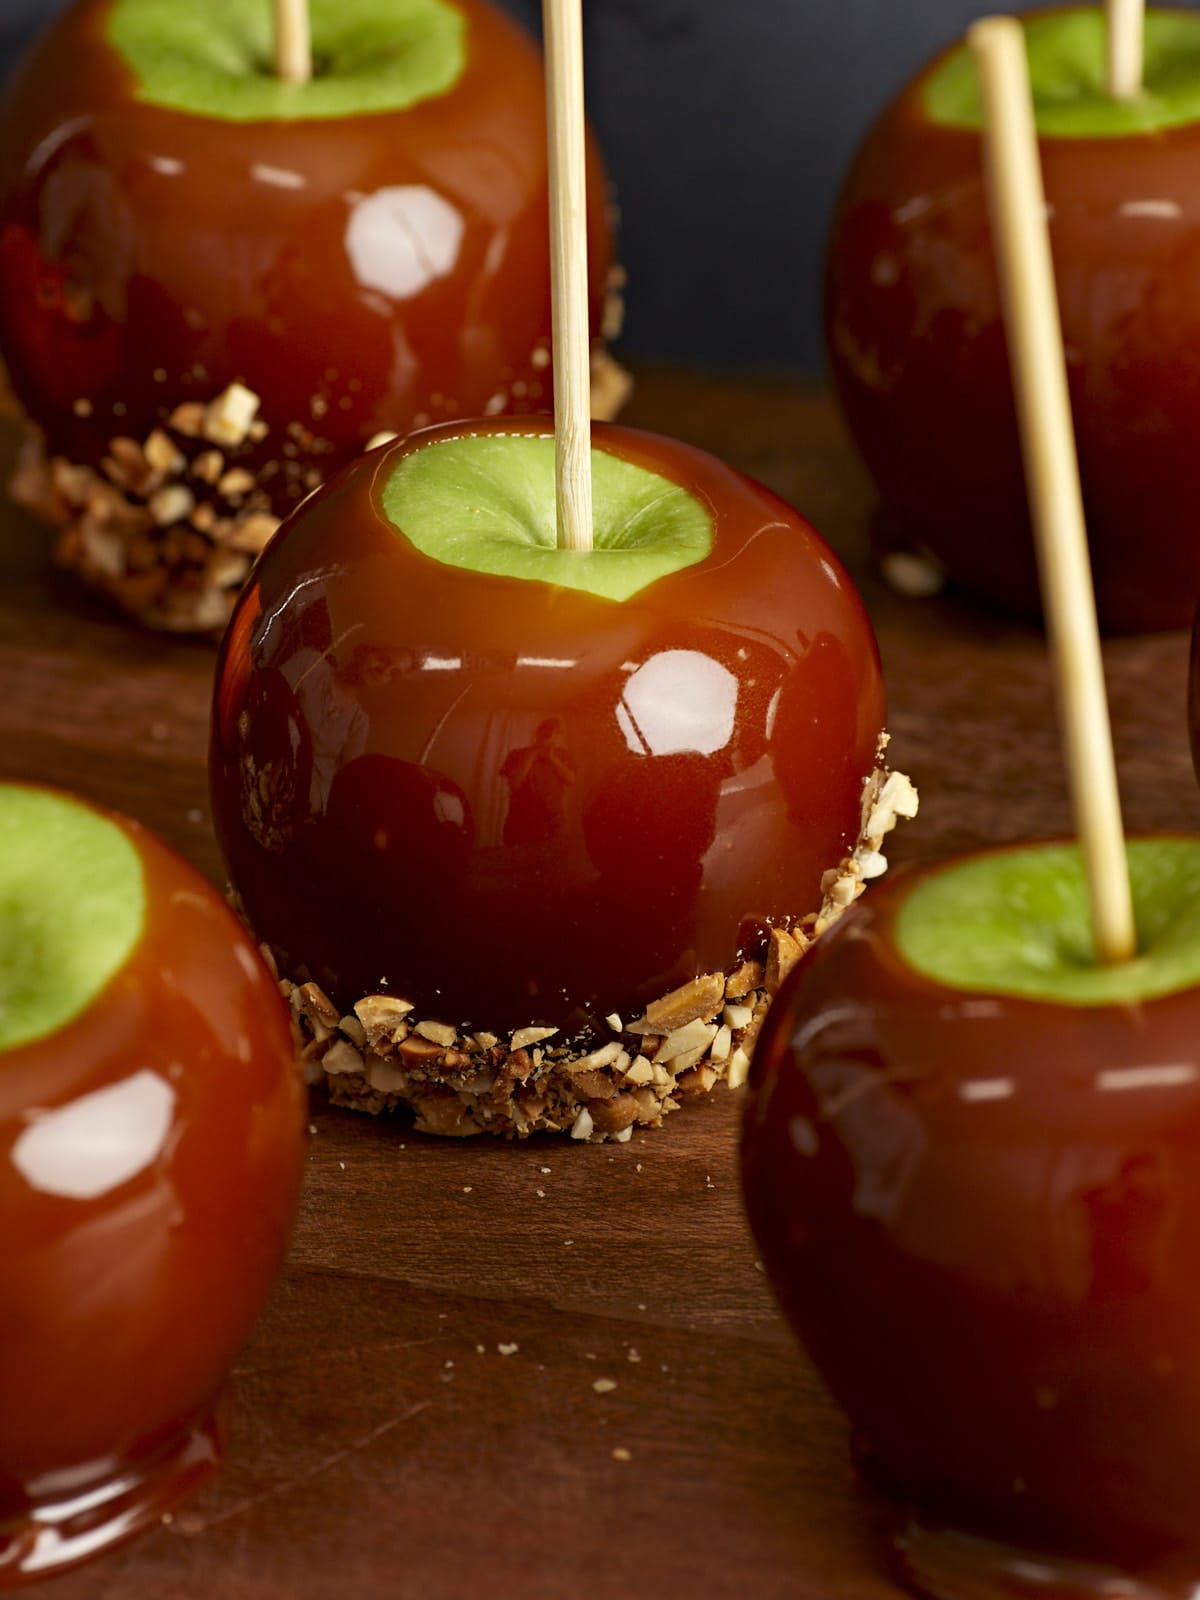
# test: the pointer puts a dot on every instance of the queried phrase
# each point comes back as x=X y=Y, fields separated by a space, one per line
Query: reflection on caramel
x=918 y=354
x=150 y=1160
x=526 y=803
x=981 y=1215
x=359 y=274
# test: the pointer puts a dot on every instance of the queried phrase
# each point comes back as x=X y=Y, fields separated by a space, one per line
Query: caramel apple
x=915 y=336
x=151 y=1124
x=969 y=1161
x=533 y=832
x=217 y=287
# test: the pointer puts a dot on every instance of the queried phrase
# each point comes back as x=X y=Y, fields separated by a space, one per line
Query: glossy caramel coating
x=982 y=1217
x=133 y=1271
x=510 y=802
x=149 y=256
x=917 y=352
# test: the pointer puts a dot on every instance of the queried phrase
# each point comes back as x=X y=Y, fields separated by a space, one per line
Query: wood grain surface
x=384 y=1444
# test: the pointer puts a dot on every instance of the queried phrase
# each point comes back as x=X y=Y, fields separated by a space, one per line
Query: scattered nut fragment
x=508 y=1349
x=441 y=1033
x=621 y=1454
x=915 y=574
x=604 y=1385
x=701 y=998
x=227 y=419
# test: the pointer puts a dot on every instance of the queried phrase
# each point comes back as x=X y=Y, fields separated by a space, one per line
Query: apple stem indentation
x=1017 y=204
x=562 y=23
x=1126 y=36
x=293 y=41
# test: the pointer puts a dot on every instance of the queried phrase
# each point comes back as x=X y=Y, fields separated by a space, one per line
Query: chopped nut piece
x=312 y=1001
x=639 y=1071
x=737 y=1016
x=592 y=1085
x=162 y=453
x=171 y=504
x=418 y=1051
x=697 y=1080
x=524 y=1037
x=354 y=1031
x=254 y=532
x=783 y=952
x=236 y=483
x=614 y=1022
x=381 y=1016
x=701 y=998
x=188 y=419
x=604 y=1057
x=486 y=1041
x=739 y=1067
x=384 y=1078
x=582 y=1127
x=748 y=976
x=208 y=466
x=341 y=1057
x=604 y=1385
x=692 y=1036
x=382 y=437
x=611 y=1115
x=227 y=420
x=441 y=1033
x=722 y=1043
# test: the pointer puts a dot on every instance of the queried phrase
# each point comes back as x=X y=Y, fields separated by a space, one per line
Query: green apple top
x=214 y=57
x=644 y=525
x=1015 y=922
x=72 y=908
x=1067 y=55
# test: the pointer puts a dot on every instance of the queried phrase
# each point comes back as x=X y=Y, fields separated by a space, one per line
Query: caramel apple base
x=168 y=527
x=57 y=1531
x=381 y=1057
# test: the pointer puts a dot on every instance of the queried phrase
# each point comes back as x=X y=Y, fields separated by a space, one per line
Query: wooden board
x=384 y=1443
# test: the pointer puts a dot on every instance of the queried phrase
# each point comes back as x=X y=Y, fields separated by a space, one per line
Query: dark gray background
x=728 y=125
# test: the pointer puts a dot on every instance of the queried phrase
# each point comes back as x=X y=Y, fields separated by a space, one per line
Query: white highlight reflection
x=986 y=1089
x=98 y=1142
x=1164 y=210
x=1173 y=1075
x=679 y=702
x=401 y=239
x=278 y=177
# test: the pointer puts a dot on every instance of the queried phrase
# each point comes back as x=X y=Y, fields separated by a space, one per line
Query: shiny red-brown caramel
x=510 y=802
x=982 y=1217
x=149 y=257
x=917 y=352
x=121 y=1310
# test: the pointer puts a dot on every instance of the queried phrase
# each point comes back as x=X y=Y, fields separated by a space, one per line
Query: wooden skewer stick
x=1018 y=209
x=293 y=44
x=562 y=22
x=1126 y=27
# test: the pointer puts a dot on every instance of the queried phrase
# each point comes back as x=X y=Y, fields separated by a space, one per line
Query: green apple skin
x=152 y=1125
x=367 y=253
x=1067 y=51
x=918 y=355
x=544 y=798
x=980 y=1212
